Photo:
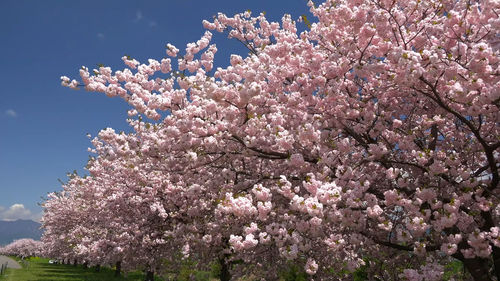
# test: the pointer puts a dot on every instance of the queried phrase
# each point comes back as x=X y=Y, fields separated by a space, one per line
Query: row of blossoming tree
x=23 y=248
x=370 y=139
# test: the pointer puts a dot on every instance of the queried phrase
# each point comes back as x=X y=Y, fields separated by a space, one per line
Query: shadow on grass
x=41 y=270
x=60 y=276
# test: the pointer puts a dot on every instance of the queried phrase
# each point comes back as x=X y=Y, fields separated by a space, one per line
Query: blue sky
x=43 y=125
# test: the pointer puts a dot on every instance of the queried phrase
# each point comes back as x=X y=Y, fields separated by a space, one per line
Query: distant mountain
x=12 y=230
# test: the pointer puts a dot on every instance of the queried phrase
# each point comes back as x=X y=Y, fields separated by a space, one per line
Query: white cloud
x=11 y=113
x=18 y=211
x=138 y=16
x=101 y=35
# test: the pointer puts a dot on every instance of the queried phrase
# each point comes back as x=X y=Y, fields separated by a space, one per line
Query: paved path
x=11 y=263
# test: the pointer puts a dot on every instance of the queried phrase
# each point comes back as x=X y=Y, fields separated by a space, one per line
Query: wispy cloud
x=18 y=211
x=101 y=35
x=11 y=113
x=138 y=16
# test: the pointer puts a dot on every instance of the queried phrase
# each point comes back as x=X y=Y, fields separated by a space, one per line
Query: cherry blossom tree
x=61 y=223
x=23 y=248
x=374 y=131
x=85 y=222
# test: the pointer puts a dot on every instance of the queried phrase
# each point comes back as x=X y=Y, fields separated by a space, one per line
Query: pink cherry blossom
x=375 y=130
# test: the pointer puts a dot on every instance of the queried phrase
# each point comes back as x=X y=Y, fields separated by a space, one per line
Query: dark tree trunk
x=496 y=261
x=86 y=264
x=488 y=224
x=478 y=269
x=150 y=276
x=75 y=262
x=225 y=275
x=98 y=268
x=118 y=268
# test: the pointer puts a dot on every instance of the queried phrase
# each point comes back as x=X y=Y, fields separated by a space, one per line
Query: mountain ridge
x=17 y=229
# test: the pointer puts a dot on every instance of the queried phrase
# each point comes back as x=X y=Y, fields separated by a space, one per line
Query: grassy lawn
x=38 y=269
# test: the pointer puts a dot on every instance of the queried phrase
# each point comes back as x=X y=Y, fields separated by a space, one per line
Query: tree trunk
x=496 y=261
x=98 y=268
x=86 y=264
x=225 y=275
x=75 y=262
x=118 y=268
x=150 y=276
x=478 y=268
x=488 y=224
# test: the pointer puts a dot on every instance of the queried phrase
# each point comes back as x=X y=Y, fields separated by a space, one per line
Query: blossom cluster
x=23 y=248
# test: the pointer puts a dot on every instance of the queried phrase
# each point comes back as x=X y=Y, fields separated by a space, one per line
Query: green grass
x=39 y=269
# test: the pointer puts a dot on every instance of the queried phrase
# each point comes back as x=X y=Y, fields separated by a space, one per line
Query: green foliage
x=187 y=273
x=360 y=274
x=215 y=270
x=294 y=273
x=306 y=21
x=454 y=269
